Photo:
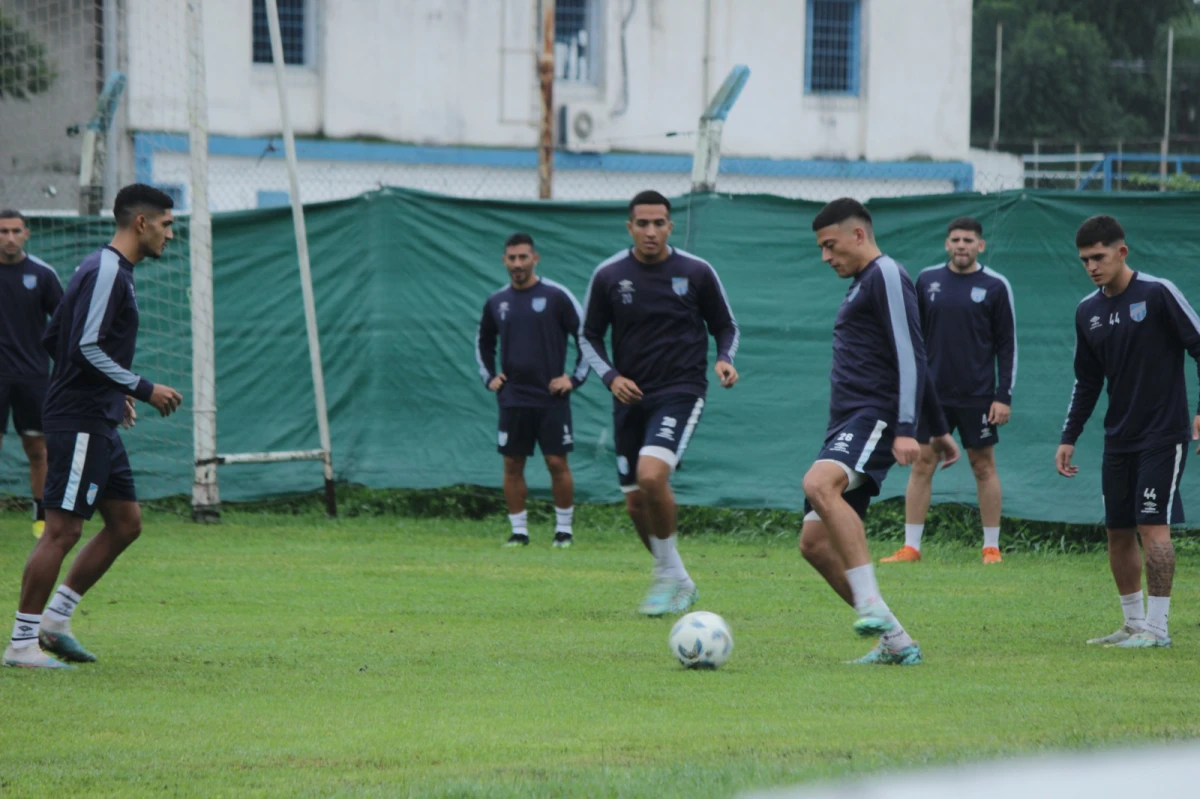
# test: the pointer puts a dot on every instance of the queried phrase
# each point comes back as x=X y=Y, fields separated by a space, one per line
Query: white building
x=868 y=97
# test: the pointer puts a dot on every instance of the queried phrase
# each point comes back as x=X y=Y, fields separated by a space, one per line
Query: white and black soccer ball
x=701 y=640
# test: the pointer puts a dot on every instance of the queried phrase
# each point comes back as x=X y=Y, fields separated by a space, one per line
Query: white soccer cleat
x=1124 y=634
x=31 y=657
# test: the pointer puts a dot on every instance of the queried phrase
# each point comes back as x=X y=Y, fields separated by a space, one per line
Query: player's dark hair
x=12 y=213
x=649 y=197
x=138 y=198
x=838 y=211
x=966 y=223
x=1101 y=229
x=519 y=238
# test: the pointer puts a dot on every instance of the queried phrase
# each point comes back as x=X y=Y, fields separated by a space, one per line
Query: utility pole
x=546 y=79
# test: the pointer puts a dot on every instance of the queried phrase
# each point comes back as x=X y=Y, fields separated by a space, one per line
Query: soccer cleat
x=515 y=540
x=684 y=598
x=660 y=596
x=39 y=527
x=873 y=621
x=64 y=645
x=563 y=540
x=1120 y=635
x=1143 y=639
x=31 y=657
x=991 y=555
x=882 y=656
x=904 y=554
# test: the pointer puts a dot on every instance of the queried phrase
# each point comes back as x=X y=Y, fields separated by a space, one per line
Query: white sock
x=61 y=606
x=519 y=523
x=1135 y=614
x=912 y=535
x=863 y=585
x=1157 y=608
x=25 y=629
x=896 y=638
x=991 y=537
x=562 y=519
x=668 y=563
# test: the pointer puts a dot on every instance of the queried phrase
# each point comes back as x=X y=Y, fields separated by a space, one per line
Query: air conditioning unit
x=583 y=126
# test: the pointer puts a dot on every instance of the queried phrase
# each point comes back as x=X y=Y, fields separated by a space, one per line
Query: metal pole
x=111 y=65
x=206 y=500
x=310 y=307
x=1078 y=166
x=999 y=71
x=1037 y=162
x=1162 y=163
x=1120 y=162
x=546 y=79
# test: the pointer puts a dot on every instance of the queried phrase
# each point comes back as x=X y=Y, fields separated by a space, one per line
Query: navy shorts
x=660 y=427
x=84 y=468
x=970 y=422
x=549 y=428
x=1143 y=487
x=24 y=399
x=863 y=447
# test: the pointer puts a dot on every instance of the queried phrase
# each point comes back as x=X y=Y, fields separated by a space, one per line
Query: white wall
x=461 y=72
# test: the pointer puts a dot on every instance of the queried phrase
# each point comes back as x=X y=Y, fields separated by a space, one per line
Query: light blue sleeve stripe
x=1177 y=295
x=483 y=370
x=906 y=359
x=89 y=342
x=598 y=364
x=580 y=371
x=1012 y=306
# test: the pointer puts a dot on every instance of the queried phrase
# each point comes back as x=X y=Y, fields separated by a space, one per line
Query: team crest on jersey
x=30 y=281
x=1137 y=311
x=679 y=285
x=978 y=294
x=93 y=489
x=853 y=293
x=539 y=304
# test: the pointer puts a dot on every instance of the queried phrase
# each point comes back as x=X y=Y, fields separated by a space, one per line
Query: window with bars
x=293 y=31
x=577 y=40
x=832 y=44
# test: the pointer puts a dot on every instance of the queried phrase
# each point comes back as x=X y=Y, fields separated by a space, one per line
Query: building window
x=832 y=47
x=577 y=26
x=294 y=22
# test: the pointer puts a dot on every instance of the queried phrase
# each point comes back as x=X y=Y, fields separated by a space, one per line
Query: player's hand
x=999 y=414
x=497 y=382
x=727 y=373
x=1062 y=460
x=946 y=449
x=130 y=413
x=1196 y=432
x=561 y=386
x=165 y=399
x=906 y=450
x=625 y=390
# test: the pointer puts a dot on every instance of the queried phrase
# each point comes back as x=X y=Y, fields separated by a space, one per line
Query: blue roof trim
x=960 y=173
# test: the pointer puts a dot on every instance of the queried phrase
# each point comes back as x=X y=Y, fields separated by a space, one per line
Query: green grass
x=285 y=654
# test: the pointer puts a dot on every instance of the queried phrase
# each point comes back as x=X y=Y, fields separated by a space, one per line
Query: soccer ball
x=701 y=640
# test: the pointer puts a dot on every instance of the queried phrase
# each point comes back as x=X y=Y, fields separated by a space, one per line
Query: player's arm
x=1004 y=336
x=101 y=297
x=1187 y=324
x=52 y=292
x=722 y=326
x=572 y=321
x=897 y=301
x=596 y=320
x=485 y=350
x=1089 y=381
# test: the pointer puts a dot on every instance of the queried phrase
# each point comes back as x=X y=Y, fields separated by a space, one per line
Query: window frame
x=854 y=66
x=594 y=25
x=310 y=38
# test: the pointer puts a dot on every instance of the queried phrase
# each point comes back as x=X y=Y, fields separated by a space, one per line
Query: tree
x=24 y=68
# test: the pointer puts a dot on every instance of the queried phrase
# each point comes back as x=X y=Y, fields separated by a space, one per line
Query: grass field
x=390 y=656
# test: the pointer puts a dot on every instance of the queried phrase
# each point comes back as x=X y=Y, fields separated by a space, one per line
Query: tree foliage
x=25 y=69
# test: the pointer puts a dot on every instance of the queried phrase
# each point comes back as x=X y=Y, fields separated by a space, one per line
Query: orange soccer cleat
x=991 y=555
x=905 y=554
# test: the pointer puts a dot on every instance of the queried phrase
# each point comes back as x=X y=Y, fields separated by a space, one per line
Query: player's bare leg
x=987 y=484
x=673 y=590
x=816 y=546
x=916 y=506
x=635 y=506
x=35 y=451
x=515 y=494
x=1160 y=575
x=1125 y=561
x=122 y=526
x=562 y=486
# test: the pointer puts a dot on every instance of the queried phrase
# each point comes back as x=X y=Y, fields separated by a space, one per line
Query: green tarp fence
x=401 y=276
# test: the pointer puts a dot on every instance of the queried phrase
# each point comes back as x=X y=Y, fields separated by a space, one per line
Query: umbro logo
x=24 y=628
x=1096 y=321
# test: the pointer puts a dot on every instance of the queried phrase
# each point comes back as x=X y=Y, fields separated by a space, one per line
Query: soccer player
x=1133 y=331
x=659 y=301
x=878 y=382
x=969 y=327
x=29 y=293
x=533 y=318
x=92 y=337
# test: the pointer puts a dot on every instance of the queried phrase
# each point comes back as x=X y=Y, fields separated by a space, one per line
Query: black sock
x=39 y=510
